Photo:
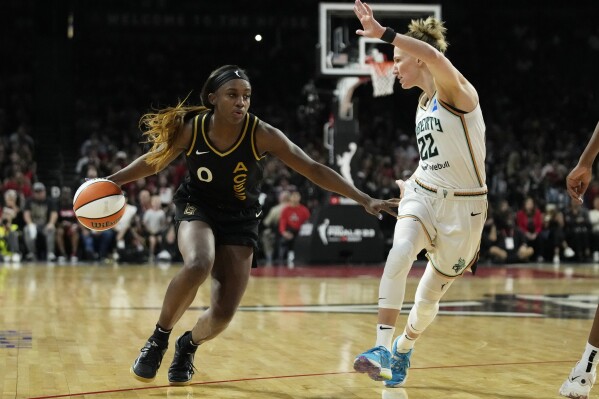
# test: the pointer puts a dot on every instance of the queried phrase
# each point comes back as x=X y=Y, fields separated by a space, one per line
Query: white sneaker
x=74 y=259
x=51 y=257
x=16 y=257
x=596 y=256
x=569 y=252
x=578 y=385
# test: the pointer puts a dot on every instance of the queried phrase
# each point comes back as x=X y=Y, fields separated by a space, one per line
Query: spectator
x=144 y=201
x=40 y=215
x=97 y=245
x=68 y=230
x=12 y=222
x=529 y=220
x=292 y=218
x=154 y=223
x=553 y=238
x=508 y=244
x=18 y=181
x=270 y=236
x=129 y=240
x=165 y=190
x=12 y=208
x=578 y=230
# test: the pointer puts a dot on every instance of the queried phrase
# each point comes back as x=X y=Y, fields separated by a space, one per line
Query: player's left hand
x=371 y=27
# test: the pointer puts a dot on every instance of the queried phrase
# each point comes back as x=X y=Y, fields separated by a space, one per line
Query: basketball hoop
x=381 y=75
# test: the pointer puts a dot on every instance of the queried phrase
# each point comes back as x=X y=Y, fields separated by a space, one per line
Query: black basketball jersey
x=229 y=178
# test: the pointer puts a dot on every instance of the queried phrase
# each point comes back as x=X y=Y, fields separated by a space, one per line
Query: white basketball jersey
x=451 y=145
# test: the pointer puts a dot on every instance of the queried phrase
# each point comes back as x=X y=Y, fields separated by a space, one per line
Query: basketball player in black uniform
x=218 y=212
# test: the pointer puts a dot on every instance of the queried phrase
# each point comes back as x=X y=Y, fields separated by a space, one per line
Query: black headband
x=226 y=76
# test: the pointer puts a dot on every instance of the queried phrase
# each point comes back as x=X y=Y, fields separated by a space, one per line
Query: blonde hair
x=161 y=129
x=430 y=31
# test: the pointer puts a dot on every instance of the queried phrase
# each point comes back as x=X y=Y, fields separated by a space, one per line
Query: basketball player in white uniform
x=444 y=204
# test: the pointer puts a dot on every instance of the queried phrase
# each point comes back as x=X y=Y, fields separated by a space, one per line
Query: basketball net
x=381 y=75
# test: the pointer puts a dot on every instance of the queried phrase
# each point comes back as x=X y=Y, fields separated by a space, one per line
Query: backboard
x=343 y=53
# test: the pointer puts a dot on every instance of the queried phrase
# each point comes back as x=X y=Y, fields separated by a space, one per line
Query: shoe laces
x=186 y=365
x=376 y=350
x=184 y=360
x=151 y=353
x=402 y=362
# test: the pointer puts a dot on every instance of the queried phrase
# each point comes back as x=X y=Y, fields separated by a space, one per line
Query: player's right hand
x=578 y=181
x=370 y=26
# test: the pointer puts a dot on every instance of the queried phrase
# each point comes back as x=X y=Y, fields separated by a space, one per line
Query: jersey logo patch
x=190 y=210
x=435 y=105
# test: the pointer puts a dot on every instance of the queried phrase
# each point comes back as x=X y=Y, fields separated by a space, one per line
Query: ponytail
x=161 y=130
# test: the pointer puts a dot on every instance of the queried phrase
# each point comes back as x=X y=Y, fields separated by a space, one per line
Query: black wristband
x=388 y=36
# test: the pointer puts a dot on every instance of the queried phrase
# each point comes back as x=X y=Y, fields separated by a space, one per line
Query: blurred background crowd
x=75 y=80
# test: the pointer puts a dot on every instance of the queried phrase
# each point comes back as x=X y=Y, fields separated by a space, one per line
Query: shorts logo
x=189 y=210
x=461 y=265
x=445 y=193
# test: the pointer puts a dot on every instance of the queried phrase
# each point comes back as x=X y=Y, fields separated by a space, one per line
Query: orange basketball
x=99 y=204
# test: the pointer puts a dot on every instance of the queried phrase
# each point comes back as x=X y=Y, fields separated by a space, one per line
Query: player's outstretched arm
x=451 y=84
x=273 y=141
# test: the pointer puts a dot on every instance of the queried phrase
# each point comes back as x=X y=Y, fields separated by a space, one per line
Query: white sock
x=384 y=335
x=405 y=343
x=589 y=360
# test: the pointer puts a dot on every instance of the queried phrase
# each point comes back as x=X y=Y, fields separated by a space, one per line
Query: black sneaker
x=147 y=363
x=182 y=369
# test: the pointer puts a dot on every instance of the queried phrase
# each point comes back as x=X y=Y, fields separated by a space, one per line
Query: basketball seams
x=86 y=195
x=103 y=217
x=101 y=207
x=95 y=199
x=99 y=204
x=88 y=213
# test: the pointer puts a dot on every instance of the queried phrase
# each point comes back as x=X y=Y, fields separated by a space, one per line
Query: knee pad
x=426 y=304
x=393 y=281
x=400 y=259
x=409 y=238
x=422 y=314
x=427 y=308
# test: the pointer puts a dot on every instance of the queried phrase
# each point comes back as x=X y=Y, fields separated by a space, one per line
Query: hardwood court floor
x=73 y=331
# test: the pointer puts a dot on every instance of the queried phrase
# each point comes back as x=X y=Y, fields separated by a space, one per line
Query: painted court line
x=289 y=376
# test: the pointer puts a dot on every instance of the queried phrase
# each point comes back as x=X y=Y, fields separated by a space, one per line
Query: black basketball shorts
x=230 y=226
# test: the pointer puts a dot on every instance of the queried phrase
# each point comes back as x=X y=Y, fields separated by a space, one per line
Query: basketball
x=99 y=204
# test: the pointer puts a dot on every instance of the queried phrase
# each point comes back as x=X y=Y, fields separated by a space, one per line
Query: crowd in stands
x=534 y=221
x=533 y=139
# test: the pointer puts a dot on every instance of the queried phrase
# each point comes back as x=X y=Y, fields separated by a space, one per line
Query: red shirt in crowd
x=528 y=223
x=292 y=217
